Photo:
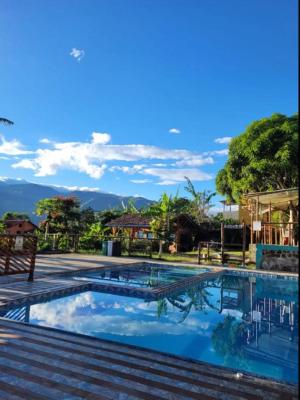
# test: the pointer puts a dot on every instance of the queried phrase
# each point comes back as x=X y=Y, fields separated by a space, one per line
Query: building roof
x=279 y=198
x=130 y=221
x=12 y=222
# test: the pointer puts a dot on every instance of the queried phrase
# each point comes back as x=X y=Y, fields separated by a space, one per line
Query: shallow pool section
x=242 y=322
x=141 y=276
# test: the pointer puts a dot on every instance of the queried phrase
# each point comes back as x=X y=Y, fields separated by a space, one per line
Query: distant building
x=19 y=226
x=230 y=210
x=138 y=226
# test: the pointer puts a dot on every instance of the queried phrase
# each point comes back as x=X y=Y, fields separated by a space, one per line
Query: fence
x=17 y=254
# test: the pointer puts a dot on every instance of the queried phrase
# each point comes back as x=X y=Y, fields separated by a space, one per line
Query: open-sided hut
x=138 y=226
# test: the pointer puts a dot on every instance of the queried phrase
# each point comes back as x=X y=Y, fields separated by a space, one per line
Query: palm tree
x=6 y=121
x=201 y=201
x=162 y=212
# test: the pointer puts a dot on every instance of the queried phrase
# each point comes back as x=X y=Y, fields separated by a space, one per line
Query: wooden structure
x=19 y=226
x=273 y=216
x=17 y=254
x=220 y=247
x=137 y=226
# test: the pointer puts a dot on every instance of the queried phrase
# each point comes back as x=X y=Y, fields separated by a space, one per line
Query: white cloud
x=101 y=138
x=45 y=141
x=223 y=140
x=140 y=181
x=195 y=161
x=78 y=188
x=91 y=158
x=223 y=152
x=175 y=131
x=77 y=54
x=12 y=148
x=174 y=176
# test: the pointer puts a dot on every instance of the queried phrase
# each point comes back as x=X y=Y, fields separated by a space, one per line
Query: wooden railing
x=17 y=254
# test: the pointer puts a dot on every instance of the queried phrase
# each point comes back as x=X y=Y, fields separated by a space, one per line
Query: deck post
x=244 y=243
x=199 y=254
x=32 y=261
x=222 y=242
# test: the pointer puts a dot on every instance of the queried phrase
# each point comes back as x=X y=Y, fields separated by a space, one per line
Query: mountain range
x=22 y=196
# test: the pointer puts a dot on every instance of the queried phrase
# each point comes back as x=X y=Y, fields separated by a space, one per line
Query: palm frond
x=6 y=121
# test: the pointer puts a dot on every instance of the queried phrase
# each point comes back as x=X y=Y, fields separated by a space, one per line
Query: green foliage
x=264 y=157
x=62 y=213
x=93 y=237
x=201 y=202
x=14 y=215
x=129 y=208
x=2 y=227
x=227 y=337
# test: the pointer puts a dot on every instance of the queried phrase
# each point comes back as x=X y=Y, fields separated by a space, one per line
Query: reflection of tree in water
x=228 y=339
x=197 y=297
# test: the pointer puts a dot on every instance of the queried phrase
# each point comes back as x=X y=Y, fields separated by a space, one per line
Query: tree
x=14 y=215
x=263 y=158
x=5 y=121
x=62 y=213
x=201 y=202
x=93 y=236
x=87 y=218
x=162 y=212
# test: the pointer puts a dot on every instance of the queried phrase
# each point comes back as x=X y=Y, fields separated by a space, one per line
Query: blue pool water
x=246 y=323
x=148 y=275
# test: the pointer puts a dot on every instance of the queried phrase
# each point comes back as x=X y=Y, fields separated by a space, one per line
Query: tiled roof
x=12 y=222
x=130 y=221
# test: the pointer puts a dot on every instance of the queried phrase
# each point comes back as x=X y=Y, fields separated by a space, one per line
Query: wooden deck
x=43 y=363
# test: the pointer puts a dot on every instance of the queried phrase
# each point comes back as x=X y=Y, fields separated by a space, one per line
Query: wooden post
x=251 y=229
x=7 y=258
x=270 y=226
x=32 y=260
x=244 y=244
x=207 y=246
x=222 y=242
x=199 y=253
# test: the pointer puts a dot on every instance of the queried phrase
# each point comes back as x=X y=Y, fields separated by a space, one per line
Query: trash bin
x=116 y=250
x=113 y=248
x=104 y=248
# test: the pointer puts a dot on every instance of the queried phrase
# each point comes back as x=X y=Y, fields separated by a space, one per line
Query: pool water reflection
x=147 y=275
x=246 y=323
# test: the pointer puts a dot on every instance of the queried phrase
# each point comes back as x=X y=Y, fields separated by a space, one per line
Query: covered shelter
x=273 y=216
x=136 y=225
x=19 y=226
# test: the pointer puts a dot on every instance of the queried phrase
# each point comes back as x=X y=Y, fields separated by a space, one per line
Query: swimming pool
x=243 y=322
x=141 y=276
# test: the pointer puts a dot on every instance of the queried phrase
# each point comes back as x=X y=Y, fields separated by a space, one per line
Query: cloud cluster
x=175 y=131
x=162 y=166
x=223 y=140
x=77 y=54
x=12 y=148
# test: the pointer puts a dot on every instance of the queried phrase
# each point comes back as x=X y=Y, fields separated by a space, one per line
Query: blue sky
x=131 y=95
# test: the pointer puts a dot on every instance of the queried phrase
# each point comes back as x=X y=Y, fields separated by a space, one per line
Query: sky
x=131 y=96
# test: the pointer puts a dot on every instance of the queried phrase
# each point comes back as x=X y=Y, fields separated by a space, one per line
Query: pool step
x=46 y=363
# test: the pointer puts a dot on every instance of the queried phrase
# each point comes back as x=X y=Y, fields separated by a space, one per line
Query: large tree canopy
x=264 y=157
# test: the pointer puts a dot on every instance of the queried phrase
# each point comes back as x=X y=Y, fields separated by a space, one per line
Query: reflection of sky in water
x=169 y=325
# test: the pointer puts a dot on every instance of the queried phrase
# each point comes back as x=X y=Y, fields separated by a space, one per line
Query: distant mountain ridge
x=21 y=196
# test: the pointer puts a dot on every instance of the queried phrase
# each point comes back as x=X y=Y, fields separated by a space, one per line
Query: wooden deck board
x=46 y=363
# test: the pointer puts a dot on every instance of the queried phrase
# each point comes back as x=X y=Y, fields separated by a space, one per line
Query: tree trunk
x=160 y=249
